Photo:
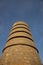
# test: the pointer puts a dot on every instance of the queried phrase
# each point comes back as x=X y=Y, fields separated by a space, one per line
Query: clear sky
x=30 y=11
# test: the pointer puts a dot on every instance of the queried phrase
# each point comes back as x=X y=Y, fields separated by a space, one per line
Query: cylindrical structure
x=20 y=48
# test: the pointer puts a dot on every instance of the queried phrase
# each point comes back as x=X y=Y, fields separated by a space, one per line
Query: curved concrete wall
x=20 y=48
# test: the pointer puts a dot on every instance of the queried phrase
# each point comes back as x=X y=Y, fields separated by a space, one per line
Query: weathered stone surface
x=20 y=48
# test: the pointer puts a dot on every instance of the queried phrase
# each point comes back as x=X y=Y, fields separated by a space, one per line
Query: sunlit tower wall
x=20 y=48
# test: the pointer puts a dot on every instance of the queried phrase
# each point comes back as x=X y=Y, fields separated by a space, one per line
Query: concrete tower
x=20 y=48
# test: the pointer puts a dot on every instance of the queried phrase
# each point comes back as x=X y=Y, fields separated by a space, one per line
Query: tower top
x=20 y=22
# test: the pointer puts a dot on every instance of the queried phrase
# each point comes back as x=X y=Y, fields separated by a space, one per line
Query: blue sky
x=30 y=11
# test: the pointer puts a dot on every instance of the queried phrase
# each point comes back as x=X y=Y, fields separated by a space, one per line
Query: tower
x=20 y=48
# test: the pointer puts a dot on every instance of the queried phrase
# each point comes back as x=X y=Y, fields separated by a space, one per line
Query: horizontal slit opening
x=20 y=37
x=20 y=27
x=21 y=24
x=20 y=31
x=21 y=44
